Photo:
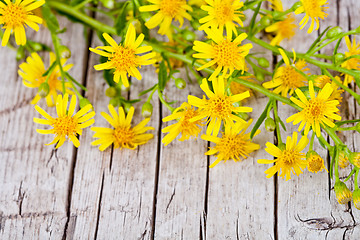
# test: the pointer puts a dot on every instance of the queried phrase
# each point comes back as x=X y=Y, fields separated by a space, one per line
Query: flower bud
x=147 y=110
x=111 y=92
x=357 y=29
x=270 y=125
x=265 y=21
x=315 y=163
x=339 y=57
x=20 y=53
x=37 y=47
x=276 y=14
x=263 y=62
x=333 y=32
x=244 y=116
x=44 y=90
x=343 y=159
x=343 y=194
x=180 y=83
x=355 y=158
x=127 y=107
x=356 y=198
x=64 y=52
x=260 y=76
x=296 y=6
x=188 y=35
x=115 y=102
x=108 y=3
x=84 y=102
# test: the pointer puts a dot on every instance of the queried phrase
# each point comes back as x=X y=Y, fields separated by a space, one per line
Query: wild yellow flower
x=322 y=80
x=353 y=63
x=226 y=53
x=122 y=134
x=183 y=126
x=315 y=163
x=233 y=144
x=343 y=194
x=219 y=107
x=15 y=16
x=222 y=13
x=313 y=9
x=282 y=29
x=317 y=110
x=167 y=11
x=125 y=59
x=288 y=78
x=287 y=160
x=66 y=125
x=32 y=72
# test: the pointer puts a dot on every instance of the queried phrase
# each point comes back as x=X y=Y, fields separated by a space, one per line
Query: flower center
x=124 y=135
x=286 y=27
x=171 y=8
x=315 y=163
x=14 y=15
x=313 y=8
x=290 y=157
x=226 y=53
x=187 y=126
x=232 y=146
x=315 y=110
x=65 y=126
x=291 y=78
x=224 y=12
x=123 y=58
x=220 y=107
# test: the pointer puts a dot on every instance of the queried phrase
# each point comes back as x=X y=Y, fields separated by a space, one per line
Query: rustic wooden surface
x=156 y=192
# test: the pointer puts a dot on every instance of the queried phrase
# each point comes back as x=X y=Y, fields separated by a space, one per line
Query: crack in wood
x=99 y=207
x=171 y=198
x=17 y=106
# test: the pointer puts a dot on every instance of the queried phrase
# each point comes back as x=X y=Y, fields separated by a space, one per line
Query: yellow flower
x=282 y=29
x=356 y=198
x=167 y=11
x=233 y=144
x=32 y=72
x=317 y=110
x=288 y=78
x=66 y=125
x=322 y=80
x=222 y=13
x=122 y=134
x=227 y=54
x=287 y=160
x=183 y=126
x=219 y=107
x=343 y=194
x=15 y=17
x=353 y=63
x=356 y=159
x=315 y=163
x=313 y=9
x=125 y=59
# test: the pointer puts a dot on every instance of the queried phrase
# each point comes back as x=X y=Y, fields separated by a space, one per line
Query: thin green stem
x=337 y=165
x=312 y=141
x=162 y=100
x=276 y=117
x=356 y=186
x=56 y=44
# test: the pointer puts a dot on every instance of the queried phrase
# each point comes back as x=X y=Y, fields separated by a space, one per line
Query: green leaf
x=147 y=90
x=318 y=39
x=260 y=120
x=162 y=76
x=281 y=123
x=51 y=68
x=120 y=21
x=50 y=19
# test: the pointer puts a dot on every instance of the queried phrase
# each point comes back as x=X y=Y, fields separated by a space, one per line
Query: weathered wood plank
x=182 y=178
x=34 y=178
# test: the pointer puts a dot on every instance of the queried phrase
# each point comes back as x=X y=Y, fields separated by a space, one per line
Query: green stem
x=162 y=100
x=337 y=165
x=276 y=118
x=55 y=41
x=312 y=141
x=356 y=186
x=346 y=128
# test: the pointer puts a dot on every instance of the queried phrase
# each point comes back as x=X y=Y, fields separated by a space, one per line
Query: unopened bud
x=333 y=32
x=260 y=76
x=355 y=159
x=111 y=92
x=270 y=125
x=147 y=110
x=263 y=62
x=265 y=21
x=296 y=6
x=44 y=90
x=64 y=52
x=343 y=194
x=20 y=53
x=115 y=102
x=356 y=198
x=37 y=47
x=84 y=102
x=276 y=14
x=188 y=35
x=180 y=83
x=127 y=107
x=108 y=3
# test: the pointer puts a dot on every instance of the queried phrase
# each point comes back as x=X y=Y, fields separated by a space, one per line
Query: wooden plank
x=35 y=179
x=182 y=178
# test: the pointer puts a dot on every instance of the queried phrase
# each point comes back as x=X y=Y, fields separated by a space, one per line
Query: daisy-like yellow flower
x=227 y=54
x=233 y=144
x=15 y=16
x=188 y=129
x=353 y=63
x=122 y=134
x=313 y=9
x=66 y=125
x=288 y=78
x=219 y=107
x=315 y=163
x=125 y=59
x=32 y=72
x=167 y=10
x=316 y=111
x=222 y=13
x=322 y=80
x=287 y=160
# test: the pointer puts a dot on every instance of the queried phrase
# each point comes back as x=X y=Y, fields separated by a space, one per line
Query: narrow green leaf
x=260 y=120
x=317 y=40
x=162 y=76
x=51 y=68
x=50 y=19
x=120 y=21
x=147 y=90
